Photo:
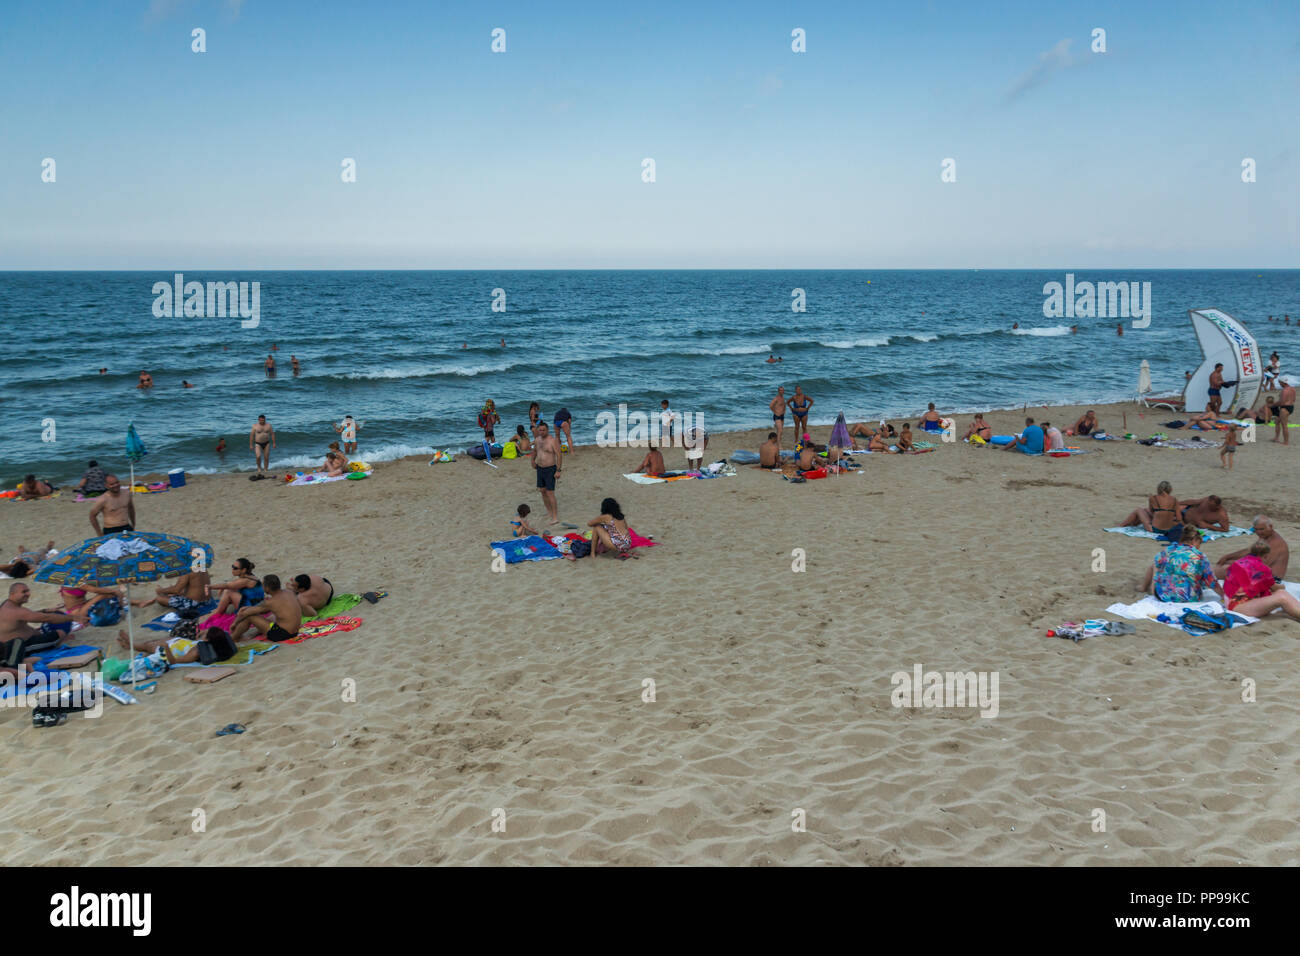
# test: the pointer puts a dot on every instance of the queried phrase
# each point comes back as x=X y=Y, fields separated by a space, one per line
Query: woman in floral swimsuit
x=611 y=530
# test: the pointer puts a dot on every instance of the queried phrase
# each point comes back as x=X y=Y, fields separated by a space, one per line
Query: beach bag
x=105 y=613
x=509 y=450
x=1199 y=622
x=217 y=645
x=580 y=549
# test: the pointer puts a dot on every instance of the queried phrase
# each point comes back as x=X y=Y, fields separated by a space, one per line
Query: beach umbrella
x=135 y=450
x=126 y=558
x=1144 y=378
x=840 y=433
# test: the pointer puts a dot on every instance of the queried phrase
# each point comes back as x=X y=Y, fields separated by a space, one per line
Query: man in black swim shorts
x=282 y=604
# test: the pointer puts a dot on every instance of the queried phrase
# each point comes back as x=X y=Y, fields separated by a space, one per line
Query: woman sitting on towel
x=80 y=600
x=610 y=530
x=978 y=429
x=1181 y=573
x=240 y=590
x=1251 y=588
x=335 y=465
x=1160 y=514
x=521 y=441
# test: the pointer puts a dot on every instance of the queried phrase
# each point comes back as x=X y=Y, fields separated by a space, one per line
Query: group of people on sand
x=1181 y=572
x=609 y=529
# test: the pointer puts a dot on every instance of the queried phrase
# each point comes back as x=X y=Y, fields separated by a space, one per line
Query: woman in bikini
x=979 y=428
x=1160 y=514
x=521 y=441
x=610 y=530
x=241 y=589
x=799 y=405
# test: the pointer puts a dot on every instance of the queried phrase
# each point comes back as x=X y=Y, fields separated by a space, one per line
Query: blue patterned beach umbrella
x=114 y=559
x=840 y=433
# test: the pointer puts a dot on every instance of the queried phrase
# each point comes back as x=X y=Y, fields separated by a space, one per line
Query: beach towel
x=1136 y=531
x=1149 y=608
x=223 y=621
x=45 y=660
x=339 y=604
x=322 y=626
x=315 y=478
x=645 y=479
x=245 y=654
x=532 y=548
x=1182 y=443
x=169 y=620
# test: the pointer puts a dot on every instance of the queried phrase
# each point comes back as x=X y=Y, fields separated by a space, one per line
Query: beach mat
x=209 y=675
x=1137 y=531
x=165 y=622
x=1147 y=609
x=339 y=604
x=532 y=548
x=323 y=626
x=65 y=657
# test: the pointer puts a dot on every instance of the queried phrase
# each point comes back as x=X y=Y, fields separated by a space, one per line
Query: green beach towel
x=339 y=604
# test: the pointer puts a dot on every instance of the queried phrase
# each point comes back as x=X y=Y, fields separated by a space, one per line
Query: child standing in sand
x=1228 y=448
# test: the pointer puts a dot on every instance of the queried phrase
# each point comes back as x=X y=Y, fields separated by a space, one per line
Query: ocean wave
x=871 y=343
x=1050 y=330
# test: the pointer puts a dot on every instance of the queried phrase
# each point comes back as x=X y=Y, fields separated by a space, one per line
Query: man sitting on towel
x=932 y=421
x=769 y=453
x=1277 y=559
x=280 y=603
x=1030 y=441
x=184 y=597
x=652 y=464
x=16 y=624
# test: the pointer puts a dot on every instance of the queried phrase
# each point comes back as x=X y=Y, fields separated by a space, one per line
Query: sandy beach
x=479 y=692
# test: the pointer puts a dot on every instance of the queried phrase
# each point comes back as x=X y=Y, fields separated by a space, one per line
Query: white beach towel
x=1148 y=608
x=115 y=549
x=643 y=479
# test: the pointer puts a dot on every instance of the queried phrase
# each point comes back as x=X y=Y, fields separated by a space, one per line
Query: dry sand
x=523 y=690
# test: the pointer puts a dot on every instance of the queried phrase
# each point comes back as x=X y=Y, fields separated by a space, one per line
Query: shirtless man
x=116 y=506
x=799 y=405
x=548 y=462
x=1205 y=513
x=905 y=438
x=16 y=624
x=293 y=360
x=979 y=428
x=1217 y=384
x=932 y=421
x=777 y=405
x=146 y=380
x=281 y=604
x=263 y=436
x=188 y=593
x=808 y=458
x=270 y=366
x=313 y=592
x=769 y=453
x=1285 y=408
x=1277 y=559
x=652 y=464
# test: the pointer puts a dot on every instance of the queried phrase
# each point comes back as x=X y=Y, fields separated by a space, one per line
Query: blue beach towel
x=207 y=607
x=532 y=548
x=1136 y=531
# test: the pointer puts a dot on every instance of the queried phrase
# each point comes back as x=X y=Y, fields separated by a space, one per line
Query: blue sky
x=764 y=158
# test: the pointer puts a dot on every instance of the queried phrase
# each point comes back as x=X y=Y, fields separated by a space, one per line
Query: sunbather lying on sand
x=1207 y=513
x=313 y=592
x=26 y=560
x=206 y=648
